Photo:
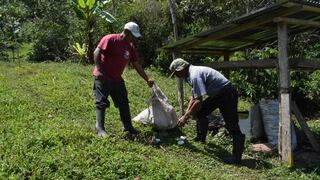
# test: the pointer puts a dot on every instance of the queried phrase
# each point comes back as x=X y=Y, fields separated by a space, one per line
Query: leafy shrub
x=50 y=44
x=305 y=91
x=52 y=31
x=256 y=84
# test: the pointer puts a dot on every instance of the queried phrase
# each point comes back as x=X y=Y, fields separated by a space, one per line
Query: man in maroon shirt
x=111 y=56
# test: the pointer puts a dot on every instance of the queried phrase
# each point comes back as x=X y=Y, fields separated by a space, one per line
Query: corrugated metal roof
x=252 y=29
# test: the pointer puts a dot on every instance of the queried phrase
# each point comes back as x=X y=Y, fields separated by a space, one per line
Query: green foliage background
x=51 y=28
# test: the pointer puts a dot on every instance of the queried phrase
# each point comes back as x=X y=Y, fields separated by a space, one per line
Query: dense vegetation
x=56 y=31
x=47 y=132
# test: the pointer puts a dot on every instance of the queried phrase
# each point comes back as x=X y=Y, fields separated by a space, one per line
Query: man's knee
x=123 y=107
x=233 y=129
x=102 y=105
x=200 y=115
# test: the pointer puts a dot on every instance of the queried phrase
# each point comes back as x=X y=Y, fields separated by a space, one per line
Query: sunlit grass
x=47 y=123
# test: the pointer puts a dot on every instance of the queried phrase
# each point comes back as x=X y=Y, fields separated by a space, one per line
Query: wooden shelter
x=275 y=22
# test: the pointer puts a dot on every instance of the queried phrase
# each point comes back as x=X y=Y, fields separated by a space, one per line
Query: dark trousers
x=118 y=92
x=227 y=102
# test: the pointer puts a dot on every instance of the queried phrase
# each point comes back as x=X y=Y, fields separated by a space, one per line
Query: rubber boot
x=100 y=115
x=237 y=149
x=126 y=120
x=201 y=133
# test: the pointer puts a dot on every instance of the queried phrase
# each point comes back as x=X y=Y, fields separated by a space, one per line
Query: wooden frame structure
x=275 y=22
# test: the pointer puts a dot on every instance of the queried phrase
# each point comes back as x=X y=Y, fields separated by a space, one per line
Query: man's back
x=115 y=54
x=206 y=81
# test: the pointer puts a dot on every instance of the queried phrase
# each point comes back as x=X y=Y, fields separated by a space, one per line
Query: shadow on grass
x=220 y=152
x=211 y=150
x=167 y=137
x=307 y=161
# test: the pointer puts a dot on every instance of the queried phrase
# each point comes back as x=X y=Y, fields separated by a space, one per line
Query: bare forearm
x=193 y=107
x=140 y=71
x=97 y=58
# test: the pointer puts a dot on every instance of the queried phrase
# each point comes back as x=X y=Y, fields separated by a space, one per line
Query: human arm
x=142 y=73
x=193 y=107
x=97 y=61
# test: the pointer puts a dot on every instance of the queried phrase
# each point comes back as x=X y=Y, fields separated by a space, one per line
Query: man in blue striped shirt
x=220 y=94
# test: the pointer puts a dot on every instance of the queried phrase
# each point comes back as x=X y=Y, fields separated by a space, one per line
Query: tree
x=11 y=16
x=87 y=10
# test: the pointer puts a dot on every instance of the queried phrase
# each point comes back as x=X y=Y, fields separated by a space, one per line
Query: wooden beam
x=235 y=28
x=295 y=64
x=297 y=21
x=203 y=52
x=284 y=138
x=304 y=126
x=248 y=64
x=311 y=9
x=311 y=64
x=245 y=40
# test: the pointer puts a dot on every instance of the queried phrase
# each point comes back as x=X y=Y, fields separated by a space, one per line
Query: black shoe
x=199 y=140
x=237 y=149
x=132 y=131
x=231 y=160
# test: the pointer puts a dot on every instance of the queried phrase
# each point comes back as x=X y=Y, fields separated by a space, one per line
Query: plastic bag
x=270 y=117
x=160 y=113
x=256 y=122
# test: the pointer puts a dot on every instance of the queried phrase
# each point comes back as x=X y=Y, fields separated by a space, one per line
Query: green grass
x=47 y=131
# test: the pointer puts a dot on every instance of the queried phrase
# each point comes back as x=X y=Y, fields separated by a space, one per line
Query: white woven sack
x=160 y=113
x=145 y=117
x=164 y=115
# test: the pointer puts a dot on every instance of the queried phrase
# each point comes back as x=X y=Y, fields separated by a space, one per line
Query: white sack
x=161 y=113
x=145 y=117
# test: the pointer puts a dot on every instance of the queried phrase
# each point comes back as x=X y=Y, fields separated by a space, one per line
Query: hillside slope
x=47 y=131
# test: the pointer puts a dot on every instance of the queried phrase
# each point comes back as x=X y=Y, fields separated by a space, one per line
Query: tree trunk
x=90 y=28
x=114 y=7
x=172 y=6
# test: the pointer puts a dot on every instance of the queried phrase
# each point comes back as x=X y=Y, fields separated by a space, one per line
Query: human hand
x=98 y=72
x=98 y=75
x=150 y=82
x=182 y=121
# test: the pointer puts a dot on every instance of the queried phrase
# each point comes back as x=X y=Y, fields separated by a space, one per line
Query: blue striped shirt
x=205 y=81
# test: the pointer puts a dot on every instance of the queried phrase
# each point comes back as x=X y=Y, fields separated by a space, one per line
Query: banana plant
x=89 y=10
x=81 y=51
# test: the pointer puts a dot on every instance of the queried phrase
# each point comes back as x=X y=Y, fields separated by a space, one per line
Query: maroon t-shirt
x=115 y=55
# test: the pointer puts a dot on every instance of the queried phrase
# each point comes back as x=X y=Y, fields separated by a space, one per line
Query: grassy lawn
x=47 y=121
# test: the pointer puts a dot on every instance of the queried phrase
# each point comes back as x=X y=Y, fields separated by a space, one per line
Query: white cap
x=133 y=28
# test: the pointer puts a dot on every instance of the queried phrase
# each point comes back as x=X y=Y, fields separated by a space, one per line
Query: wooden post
x=284 y=138
x=304 y=126
x=226 y=59
x=172 y=5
